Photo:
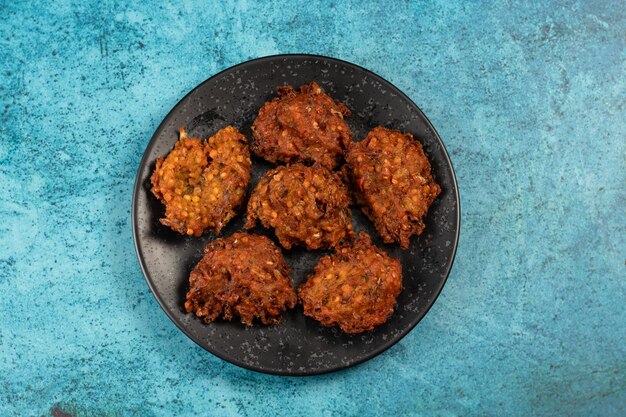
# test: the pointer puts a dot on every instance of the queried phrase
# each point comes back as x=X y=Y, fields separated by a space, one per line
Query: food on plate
x=304 y=205
x=355 y=288
x=302 y=126
x=245 y=276
x=393 y=183
x=203 y=183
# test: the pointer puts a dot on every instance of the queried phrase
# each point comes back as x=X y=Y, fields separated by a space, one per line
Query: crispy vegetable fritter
x=355 y=288
x=305 y=126
x=203 y=183
x=243 y=276
x=305 y=206
x=393 y=183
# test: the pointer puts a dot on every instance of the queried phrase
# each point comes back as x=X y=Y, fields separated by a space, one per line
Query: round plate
x=298 y=345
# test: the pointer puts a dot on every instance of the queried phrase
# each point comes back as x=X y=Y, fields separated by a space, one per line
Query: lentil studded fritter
x=202 y=183
x=355 y=288
x=304 y=205
x=393 y=183
x=305 y=126
x=243 y=276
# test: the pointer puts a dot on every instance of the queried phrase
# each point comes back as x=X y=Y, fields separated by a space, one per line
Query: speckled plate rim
x=242 y=364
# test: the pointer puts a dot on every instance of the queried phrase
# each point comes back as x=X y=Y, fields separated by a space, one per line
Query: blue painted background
x=530 y=101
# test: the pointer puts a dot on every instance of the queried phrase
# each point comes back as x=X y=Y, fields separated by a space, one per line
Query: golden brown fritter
x=305 y=206
x=305 y=126
x=243 y=276
x=202 y=184
x=393 y=183
x=355 y=288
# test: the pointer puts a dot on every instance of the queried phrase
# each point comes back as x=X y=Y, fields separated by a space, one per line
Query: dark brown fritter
x=243 y=276
x=393 y=183
x=356 y=288
x=203 y=183
x=305 y=205
x=305 y=126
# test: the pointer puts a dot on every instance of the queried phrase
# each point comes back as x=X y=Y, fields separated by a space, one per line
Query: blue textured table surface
x=530 y=101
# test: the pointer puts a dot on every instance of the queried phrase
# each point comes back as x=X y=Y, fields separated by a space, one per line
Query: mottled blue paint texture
x=530 y=101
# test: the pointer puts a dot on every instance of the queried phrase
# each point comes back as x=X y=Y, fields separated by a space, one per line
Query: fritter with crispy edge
x=355 y=288
x=304 y=205
x=393 y=183
x=305 y=126
x=245 y=276
x=202 y=184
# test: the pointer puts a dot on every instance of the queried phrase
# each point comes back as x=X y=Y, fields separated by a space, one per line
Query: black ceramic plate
x=298 y=345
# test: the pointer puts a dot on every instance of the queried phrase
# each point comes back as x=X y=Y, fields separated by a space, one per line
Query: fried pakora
x=203 y=183
x=355 y=288
x=304 y=205
x=306 y=126
x=393 y=183
x=245 y=276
